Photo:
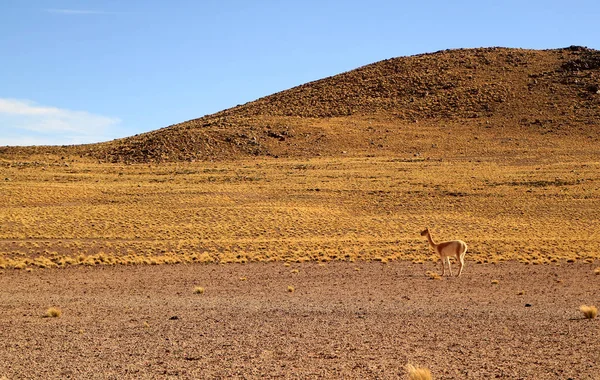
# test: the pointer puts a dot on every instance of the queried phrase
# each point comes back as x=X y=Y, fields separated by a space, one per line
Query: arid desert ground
x=311 y=269
x=342 y=320
x=281 y=238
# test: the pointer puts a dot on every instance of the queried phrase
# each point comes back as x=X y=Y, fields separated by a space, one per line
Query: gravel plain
x=363 y=320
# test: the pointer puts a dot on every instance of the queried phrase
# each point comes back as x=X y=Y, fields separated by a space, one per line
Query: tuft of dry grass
x=53 y=312
x=589 y=312
x=418 y=373
x=521 y=292
x=199 y=290
x=597 y=271
x=495 y=282
x=290 y=289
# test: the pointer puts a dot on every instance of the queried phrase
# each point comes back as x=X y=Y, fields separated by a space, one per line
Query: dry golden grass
x=291 y=289
x=199 y=290
x=53 y=312
x=589 y=312
x=355 y=208
x=597 y=271
x=495 y=282
x=418 y=373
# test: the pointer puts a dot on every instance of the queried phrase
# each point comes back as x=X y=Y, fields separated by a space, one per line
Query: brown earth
x=525 y=95
x=343 y=320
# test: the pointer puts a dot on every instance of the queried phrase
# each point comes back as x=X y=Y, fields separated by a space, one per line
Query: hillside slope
x=402 y=105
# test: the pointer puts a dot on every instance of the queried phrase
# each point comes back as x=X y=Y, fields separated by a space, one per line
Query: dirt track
x=343 y=320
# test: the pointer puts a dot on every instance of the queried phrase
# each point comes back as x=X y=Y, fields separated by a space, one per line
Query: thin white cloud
x=76 y=11
x=23 y=122
x=25 y=107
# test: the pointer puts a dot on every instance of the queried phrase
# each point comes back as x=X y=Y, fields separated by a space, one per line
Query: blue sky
x=87 y=71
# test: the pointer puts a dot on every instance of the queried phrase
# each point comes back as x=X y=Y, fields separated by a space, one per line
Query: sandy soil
x=343 y=320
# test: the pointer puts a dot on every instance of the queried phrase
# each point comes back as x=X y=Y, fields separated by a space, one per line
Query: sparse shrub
x=53 y=312
x=495 y=282
x=417 y=373
x=522 y=292
x=589 y=312
x=199 y=290
x=597 y=271
x=290 y=289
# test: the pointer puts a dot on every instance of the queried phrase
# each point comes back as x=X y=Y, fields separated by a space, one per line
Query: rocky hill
x=378 y=106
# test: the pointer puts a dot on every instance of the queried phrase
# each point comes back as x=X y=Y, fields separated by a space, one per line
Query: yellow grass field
x=62 y=212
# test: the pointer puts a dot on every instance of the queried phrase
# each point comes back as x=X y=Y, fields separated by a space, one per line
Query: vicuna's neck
x=431 y=242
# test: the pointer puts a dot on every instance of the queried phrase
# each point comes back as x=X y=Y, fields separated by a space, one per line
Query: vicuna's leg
x=443 y=265
x=449 y=267
x=461 y=263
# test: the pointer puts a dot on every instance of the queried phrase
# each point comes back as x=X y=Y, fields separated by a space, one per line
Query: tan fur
x=447 y=249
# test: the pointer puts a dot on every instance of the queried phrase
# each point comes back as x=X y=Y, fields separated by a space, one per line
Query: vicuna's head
x=425 y=232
